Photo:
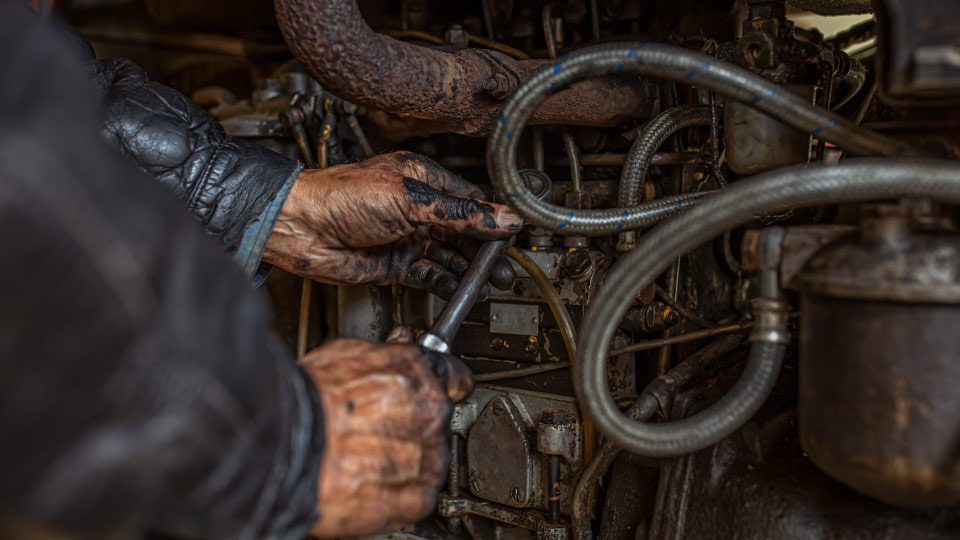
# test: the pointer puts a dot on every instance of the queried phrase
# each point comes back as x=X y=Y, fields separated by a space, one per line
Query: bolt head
x=576 y=263
x=517 y=494
x=476 y=484
x=553 y=416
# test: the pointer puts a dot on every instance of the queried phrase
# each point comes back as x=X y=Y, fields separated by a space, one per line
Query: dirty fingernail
x=508 y=219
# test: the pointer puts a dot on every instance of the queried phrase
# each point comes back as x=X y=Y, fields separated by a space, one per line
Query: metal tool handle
x=445 y=327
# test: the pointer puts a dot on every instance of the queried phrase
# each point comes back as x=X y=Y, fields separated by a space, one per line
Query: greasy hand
x=395 y=218
x=385 y=414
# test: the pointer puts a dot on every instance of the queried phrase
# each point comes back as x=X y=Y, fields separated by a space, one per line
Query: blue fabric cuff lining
x=249 y=254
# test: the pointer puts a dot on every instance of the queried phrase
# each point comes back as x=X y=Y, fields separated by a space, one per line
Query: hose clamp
x=770 y=321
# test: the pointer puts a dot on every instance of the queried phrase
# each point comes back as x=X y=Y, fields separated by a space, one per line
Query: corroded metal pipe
x=461 y=92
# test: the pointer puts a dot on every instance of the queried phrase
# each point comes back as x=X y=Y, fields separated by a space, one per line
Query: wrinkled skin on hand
x=395 y=218
x=385 y=414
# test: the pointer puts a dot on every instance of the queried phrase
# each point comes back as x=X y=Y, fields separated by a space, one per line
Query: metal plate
x=516 y=319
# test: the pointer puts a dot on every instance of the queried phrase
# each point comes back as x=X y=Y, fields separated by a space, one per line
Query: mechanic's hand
x=385 y=414
x=395 y=218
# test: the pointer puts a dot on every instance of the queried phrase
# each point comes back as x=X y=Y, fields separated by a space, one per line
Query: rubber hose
x=657 y=60
x=800 y=186
x=651 y=138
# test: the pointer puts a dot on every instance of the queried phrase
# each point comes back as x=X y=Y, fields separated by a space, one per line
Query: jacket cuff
x=253 y=242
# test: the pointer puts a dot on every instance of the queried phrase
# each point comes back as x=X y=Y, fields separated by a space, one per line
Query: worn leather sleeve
x=225 y=182
x=142 y=386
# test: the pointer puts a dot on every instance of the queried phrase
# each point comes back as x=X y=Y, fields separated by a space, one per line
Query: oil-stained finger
x=430 y=276
x=449 y=257
x=466 y=216
x=434 y=175
x=501 y=276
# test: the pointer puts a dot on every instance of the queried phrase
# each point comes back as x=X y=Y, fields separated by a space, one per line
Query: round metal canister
x=879 y=396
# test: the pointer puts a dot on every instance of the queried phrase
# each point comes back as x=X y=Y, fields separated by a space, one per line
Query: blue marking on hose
x=553 y=86
x=556 y=67
x=508 y=135
x=503 y=119
x=513 y=195
x=702 y=67
x=829 y=125
x=570 y=215
x=754 y=100
x=619 y=68
x=562 y=225
x=632 y=52
x=564 y=56
x=526 y=192
x=620 y=226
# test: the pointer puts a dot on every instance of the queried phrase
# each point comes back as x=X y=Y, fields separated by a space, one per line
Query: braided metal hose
x=641 y=153
x=651 y=138
x=792 y=187
x=663 y=61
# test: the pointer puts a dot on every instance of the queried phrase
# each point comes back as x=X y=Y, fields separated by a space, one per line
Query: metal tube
x=522 y=372
x=453 y=477
x=303 y=325
x=687 y=314
x=682 y=338
x=573 y=157
x=553 y=489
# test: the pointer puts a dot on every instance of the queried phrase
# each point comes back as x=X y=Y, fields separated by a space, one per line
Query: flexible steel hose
x=651 y=138
x=660 y=389
x=656 y=60
x=853 y=180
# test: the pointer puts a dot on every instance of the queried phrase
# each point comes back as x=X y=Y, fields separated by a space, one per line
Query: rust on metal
x=458 y=92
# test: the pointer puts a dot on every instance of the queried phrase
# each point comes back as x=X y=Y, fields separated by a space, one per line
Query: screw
x=517 y=494
x=476 y=484
x=496 y=343
x=531 y=347
x=553 y=416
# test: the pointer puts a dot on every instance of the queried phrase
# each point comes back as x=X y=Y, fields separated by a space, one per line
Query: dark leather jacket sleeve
x=225 y=182
x=142 y=386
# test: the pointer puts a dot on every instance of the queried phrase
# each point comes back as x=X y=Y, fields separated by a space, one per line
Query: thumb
x=463 y=215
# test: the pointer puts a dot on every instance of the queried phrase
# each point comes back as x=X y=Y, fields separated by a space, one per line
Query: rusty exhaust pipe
x=460 y=93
